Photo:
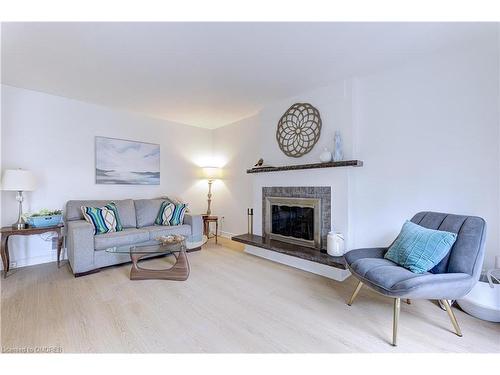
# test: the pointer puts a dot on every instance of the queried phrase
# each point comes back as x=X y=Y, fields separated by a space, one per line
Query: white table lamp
x=211 y=174
x=18 y=180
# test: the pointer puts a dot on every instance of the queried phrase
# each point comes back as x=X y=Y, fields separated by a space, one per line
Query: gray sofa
x=87 y=252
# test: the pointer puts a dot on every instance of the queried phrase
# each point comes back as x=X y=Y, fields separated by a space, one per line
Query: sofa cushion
x=127 y=236
x=469 y=245
x=146 y=211
x=383 y=273
x=126 y=210
x=156 y=231
x=392 y=280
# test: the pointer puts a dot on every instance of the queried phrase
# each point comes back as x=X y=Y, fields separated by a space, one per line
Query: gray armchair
x=452 y=278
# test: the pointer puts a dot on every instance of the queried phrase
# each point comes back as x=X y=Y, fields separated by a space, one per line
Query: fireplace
x=297 y=215
x=295 y=225
x=294 y=220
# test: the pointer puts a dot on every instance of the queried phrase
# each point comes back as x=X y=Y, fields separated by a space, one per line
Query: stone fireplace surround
x=298 y=256
x=323 y=193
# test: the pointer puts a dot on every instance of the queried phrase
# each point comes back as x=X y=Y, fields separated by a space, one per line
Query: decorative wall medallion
x=298 y=130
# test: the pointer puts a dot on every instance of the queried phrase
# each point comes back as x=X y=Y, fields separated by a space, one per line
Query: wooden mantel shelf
x=332 y=164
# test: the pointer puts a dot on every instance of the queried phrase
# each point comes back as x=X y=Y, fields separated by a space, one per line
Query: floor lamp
x=211 y=174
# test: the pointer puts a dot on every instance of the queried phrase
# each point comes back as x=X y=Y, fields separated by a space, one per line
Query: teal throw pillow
x=104 y=219
x=171 y=214
x=419 y=249
x=178 y=215
x=165 y=213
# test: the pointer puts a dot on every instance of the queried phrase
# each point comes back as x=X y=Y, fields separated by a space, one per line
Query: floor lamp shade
x=212 y=173
x=18 y=180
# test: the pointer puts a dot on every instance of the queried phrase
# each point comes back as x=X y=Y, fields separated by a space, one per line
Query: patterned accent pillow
x=178 y=215
x=165 y=213
x=175 y=201
x=171 y=214
x=104 y=219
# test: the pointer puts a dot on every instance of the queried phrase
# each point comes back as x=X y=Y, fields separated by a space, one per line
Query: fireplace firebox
x=294 y=220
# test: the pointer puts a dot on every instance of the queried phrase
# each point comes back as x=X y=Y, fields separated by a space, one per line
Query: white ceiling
x=210 y=74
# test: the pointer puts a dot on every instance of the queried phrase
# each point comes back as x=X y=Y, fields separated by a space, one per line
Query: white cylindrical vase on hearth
x=335 y=244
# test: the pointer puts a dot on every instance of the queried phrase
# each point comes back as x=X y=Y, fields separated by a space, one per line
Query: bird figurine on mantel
x=260 y=164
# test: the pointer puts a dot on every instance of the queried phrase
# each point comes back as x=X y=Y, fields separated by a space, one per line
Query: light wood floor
x=232 y=302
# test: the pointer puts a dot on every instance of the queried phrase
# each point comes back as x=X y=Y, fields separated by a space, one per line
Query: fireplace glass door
x=291 y=221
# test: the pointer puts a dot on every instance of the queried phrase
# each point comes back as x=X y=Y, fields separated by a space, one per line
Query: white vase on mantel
x=338 y=154
x=325 y=156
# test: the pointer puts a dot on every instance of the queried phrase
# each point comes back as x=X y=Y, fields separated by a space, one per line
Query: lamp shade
x=212 y=173
x=18 y=180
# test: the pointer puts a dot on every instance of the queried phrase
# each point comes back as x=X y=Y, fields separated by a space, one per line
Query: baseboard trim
x=35 y=260
x=303 y=264
x=226 y=234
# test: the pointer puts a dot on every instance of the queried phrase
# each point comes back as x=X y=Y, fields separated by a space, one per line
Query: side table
x=207 y=219
x=9 y=231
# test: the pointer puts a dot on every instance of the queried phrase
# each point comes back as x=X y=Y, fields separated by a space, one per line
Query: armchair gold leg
x=395 y=321
x=356 y=291
x=452 y=317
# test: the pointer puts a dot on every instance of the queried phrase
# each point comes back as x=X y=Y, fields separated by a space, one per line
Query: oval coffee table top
x=158 y=248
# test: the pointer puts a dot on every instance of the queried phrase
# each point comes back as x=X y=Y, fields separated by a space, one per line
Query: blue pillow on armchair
x=419 y=249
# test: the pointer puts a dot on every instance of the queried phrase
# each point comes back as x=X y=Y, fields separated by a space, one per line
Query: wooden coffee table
x=179 y=271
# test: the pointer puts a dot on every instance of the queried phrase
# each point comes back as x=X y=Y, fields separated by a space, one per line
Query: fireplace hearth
x=295 y=224
x=287 y=249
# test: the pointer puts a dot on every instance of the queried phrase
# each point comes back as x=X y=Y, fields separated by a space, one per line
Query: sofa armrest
x=80 y=245
x=196 y=223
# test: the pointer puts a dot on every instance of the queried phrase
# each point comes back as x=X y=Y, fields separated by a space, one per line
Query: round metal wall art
x=298 y=130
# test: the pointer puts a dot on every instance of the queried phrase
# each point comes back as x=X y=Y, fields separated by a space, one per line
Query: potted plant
x=44 y=218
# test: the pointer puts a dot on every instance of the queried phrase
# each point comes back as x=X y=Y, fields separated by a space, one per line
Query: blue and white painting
x=118 y=161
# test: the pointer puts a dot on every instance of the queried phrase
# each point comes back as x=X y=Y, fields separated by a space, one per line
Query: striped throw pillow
x=171 y=214
x=165 y=213
x=104 y=219
x=178 y=215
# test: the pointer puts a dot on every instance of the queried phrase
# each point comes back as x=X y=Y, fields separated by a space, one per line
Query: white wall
x=428 y=133
x=54 y=137
x=255 y=138
x=234 y=148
